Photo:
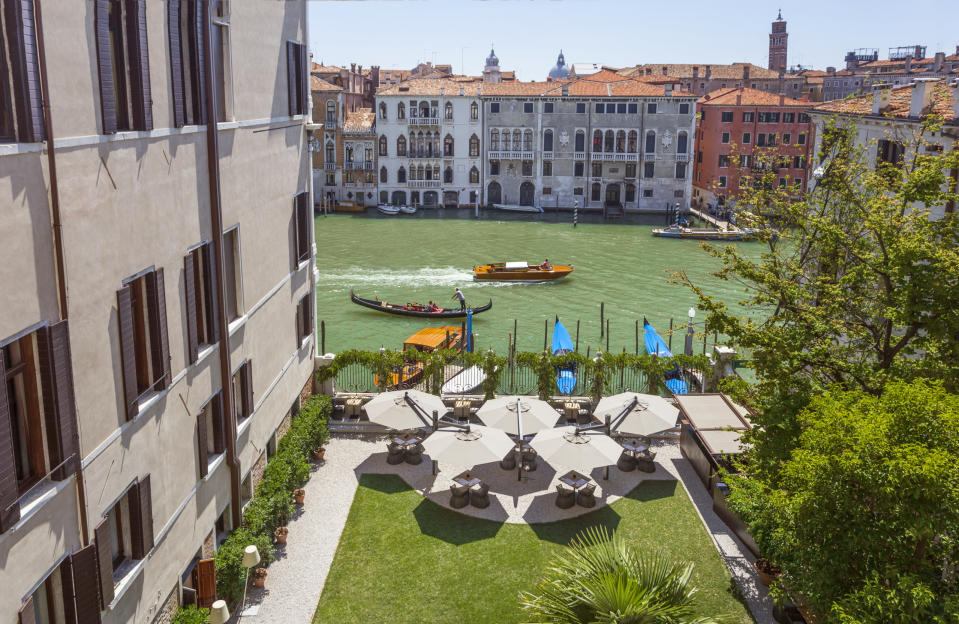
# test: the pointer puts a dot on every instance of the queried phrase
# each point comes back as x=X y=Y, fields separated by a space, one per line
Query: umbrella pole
x=519 y=446
x=606 y=474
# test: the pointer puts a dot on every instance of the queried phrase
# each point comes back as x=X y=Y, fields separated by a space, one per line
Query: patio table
x=467 y=478
x=635 y=447
x=574 y=479
x=407 y=439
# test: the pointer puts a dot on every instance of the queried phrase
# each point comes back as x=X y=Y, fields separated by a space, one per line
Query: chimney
x=353 y=67
x=746 y=72
x=919 y=52
x=695 y=73
x=880 y=100
x=709 y=71
x=831 y=71
x=739 y=98
x=908 y=63
x=940 y=59
x=665 y=72
x=782 y=99
x=922 y=92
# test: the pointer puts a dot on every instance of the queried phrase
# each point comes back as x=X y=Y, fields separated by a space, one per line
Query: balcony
x=579 y=156
x=548 y=155
x=682 y=157
x=329 y=166
x=423 y=121
x=424 y=154
x=510 y=155
x=616 y=156
x=651 y=156
x=423 y=183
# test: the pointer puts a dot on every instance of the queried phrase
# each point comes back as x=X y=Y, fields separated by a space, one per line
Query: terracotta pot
x=319 y=452
x=298 y=496
x=259 y=577
x=767 y=572
x=280 y=534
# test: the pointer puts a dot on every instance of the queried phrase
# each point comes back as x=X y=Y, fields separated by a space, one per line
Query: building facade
x=157 y=323
x=429 y=142
x=742 y=132
x=702 y=79
x=602 y=142
x=864 y=71
x=358 y=85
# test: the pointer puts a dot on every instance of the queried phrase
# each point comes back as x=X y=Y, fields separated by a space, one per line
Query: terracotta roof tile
x=318 y=84
x=899 y=101
x=360 y=121
x=747 y=97
x=316 y=67
x=604 y=83
x=432 y=86
x=734 y=71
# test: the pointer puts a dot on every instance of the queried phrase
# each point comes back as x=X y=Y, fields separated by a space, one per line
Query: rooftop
x=744 y=96
x=605 y=83
x=943 y=102
x=360 y=121
x=734 y=71
x=318 y=84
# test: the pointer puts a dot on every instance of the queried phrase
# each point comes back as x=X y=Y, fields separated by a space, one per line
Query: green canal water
x=426 y=256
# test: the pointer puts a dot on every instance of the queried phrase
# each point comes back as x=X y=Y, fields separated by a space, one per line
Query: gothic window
x=383 y=175
x=631 y=142
x=448 y=175
x=401 y=174
x=349 y=153
x=436 y=172
x=330 y=111
x=330 y=153
x=598 y=141
x=382 y=144
x=548 y=141
x=517 y=140
x=474 y=111
x=650 y=142
x=474 y=146
x=449 y=110
x=494 y=140
x=528 y=141
x=474 y=176
x=608 y=143
x=401 y=145
x=682 y=143
x=448 y=146
x=580 y=145
x=620 y=142
x=382 y=110
x=595 y=192
x=401 y=111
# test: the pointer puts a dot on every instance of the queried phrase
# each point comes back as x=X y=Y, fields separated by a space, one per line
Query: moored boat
x=415 y=309
x=520 y=272
x=465 y=382
x=427 y=340
x=517 y=208
x=408 y=209
x=387 y=209
x=679 y=231
x=656 y=346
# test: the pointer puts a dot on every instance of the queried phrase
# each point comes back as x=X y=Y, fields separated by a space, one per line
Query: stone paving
x=297 y=577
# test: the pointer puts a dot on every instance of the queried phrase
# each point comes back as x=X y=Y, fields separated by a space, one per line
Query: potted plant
x=259 y=577
x=280 y=534
x=319 y=452
x=768 y=571
x=298 y=495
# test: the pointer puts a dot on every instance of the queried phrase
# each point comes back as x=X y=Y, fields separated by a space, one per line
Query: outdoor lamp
x=251 y=556
x=219 y=614
x=692 y=314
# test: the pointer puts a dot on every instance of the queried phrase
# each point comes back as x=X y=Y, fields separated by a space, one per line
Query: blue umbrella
x=656 y=346
x=469 y=330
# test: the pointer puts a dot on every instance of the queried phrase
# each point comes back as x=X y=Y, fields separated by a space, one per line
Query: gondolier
x=459 y=295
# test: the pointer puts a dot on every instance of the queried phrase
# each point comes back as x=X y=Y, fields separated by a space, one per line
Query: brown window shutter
x=213 y=290
x=108 y=100
x=205 y=583
x=201 y=19
x=192 y=328
x=219 y=427
x=303 y=244
x=86 y=588
x=66 y=590
x=247 y=375
x=311 y=311
x=291 y=76
x=9 y=506
x=141 y=518
x=160 y=339
x=201 y=437
x=303 y=75
x=176 y=62
x=128 y=354
x=59 y=409
x=22 y=35
x=104 y=562
x=27 y=614
x=139 y=65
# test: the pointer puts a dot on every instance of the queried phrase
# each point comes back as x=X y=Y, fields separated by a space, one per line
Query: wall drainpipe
x=216 y=221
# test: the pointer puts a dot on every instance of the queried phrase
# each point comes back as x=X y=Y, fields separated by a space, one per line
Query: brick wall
x=209 y=545
x=284 y=426
x=256 y=473
x=168 y=608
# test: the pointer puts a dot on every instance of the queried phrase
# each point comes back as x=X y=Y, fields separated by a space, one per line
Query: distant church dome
x=560 y=71
x=491 y=60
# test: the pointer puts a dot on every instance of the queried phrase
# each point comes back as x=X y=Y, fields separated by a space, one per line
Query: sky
x=528 y=34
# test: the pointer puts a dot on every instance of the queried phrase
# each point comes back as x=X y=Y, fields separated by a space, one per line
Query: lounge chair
x=529 y=459
x=586 y=495
x=396 y=453
x=414 y=455
x=565 y=496
x=459 y=496
x=479 y=495
x=626 y=462
x=508 y=462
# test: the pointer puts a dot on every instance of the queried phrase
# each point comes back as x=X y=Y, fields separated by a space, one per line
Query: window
x=547 y=168
x=384 y=176
x=761 y=139
x=211 y=433
x=449 y=110
x=782 y=182
x=803 y=118
x=768 y=117
x=348 y=177
x=630 y=192
x=369 y=177
x=401 y=145
x=527 y=107
x=231 y=273
x=331 y=112
x=787 y=138
x=49 y=603
x=123 y=66
x=144 y=345
x=547 y=109
x=448 y=146
x=527 y=168
x=727 y=116
x=649 y=170
x=381 y=143
x=578 y=190
x=297 y=77
x=621 y=108
x=699 y=156
x=651 y=108
x=722 y=181
x=890 y=152
x=747 y=138
x=632 y=108
x=650 y=142
x=597 y=170
x=474 y=111
x=527 y=140
x=789 y=118
x=647 y=192
x=630 y=170
x=680 y=171
x=578 y=169
x=801 y=138
x=124 y=535
x=494 y=107
x=771 y=139
x=620 y=142
x=494 y=167
x=581 y=110
x=384 y=197
x=21 y=105
x=474 y=146
x=494 y=140
x=748 y=117
x=579 y=144
x=302 y=215
x=474 y=175
x=631 y=142
x=725 y=137
x=401 y=111
x=684 y=108
x=600 y=107
x=597 y=140
x=330 y=178
x=304 y=317
x=797 y=182
x=595 y=191
x=723 y=160
x=448 y=175
x=608 y=142
x=548 y=141
x=745 y=160
x=382 y=110
x=401 y=175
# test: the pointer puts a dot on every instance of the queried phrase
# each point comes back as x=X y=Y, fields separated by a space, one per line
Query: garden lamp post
x=219 y=613
x=251 y=557
x=688 y=350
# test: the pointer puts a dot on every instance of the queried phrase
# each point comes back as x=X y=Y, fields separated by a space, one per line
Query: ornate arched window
x=474 y=146
x=548 y=141
x=448 y=175
x=330 y=152
x=528 y=141
x=420 y=144
x=620 y=142
x=608 y=143
x=494 y=140
x=650 y=142
x=631 y=142
x=401 y=175
x=448 y=146
x=382 y=110
x=474 y=111
x=517 y=140
x=596 y=191
x=382 y=145
x=383 y=175
x=401 y=111
x=449 y=110
x=401 y=145
x=436 y=172
x=580 y=144
x=682 y=143
x=348 y=153
x=598 y=141
x=474 y=176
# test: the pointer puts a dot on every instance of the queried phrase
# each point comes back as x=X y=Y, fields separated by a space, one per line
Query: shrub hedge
x=272 y=503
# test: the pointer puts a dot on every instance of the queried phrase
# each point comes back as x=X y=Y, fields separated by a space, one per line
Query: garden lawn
x=405 y=559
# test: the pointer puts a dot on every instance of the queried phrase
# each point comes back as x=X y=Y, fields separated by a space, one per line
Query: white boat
x=465 y=381
x=516 y=208
x=408 y=209
x=387 y=209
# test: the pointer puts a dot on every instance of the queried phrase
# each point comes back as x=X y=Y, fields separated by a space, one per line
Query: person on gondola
x=432 y=307
x=459 y=295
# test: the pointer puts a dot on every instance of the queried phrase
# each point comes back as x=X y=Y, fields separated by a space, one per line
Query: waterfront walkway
x=714 y=221
x=296 y=578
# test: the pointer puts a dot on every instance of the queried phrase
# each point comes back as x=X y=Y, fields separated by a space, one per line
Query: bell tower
x=778 y=43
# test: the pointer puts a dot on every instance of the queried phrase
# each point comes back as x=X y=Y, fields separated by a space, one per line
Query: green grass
x=403 y=558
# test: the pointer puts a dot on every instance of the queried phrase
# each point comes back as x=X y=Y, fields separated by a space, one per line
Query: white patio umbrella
x=649 y=414
x=468 y=447
x=395 y=409
x=534 y=415
x=582 y=450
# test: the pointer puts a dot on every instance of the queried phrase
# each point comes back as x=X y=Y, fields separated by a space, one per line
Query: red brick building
x=738 y=130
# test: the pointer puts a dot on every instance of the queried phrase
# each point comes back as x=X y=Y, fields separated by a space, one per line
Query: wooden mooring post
x=577 y=335
x=670 y=334
x=515 y=335
x=323 y=337
x=602 y=317
x=545 y=332
x=607 y=335
x=637 y=338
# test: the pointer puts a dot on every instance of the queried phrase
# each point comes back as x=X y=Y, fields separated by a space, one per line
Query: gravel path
x=297 y=577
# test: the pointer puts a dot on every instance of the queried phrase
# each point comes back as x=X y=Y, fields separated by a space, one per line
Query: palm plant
x=600 y=579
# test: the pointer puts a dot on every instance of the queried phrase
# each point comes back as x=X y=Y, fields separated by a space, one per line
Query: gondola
x=416 y=310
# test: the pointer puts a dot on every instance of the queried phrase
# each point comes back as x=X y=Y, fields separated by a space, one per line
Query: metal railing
x=423 y=121
x=510 y=155
x=423 y=183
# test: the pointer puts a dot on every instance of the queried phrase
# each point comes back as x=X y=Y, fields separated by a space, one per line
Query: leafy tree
x=599 y=578
x=864 y=518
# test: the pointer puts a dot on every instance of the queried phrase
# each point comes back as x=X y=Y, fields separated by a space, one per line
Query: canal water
x=424 y=257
